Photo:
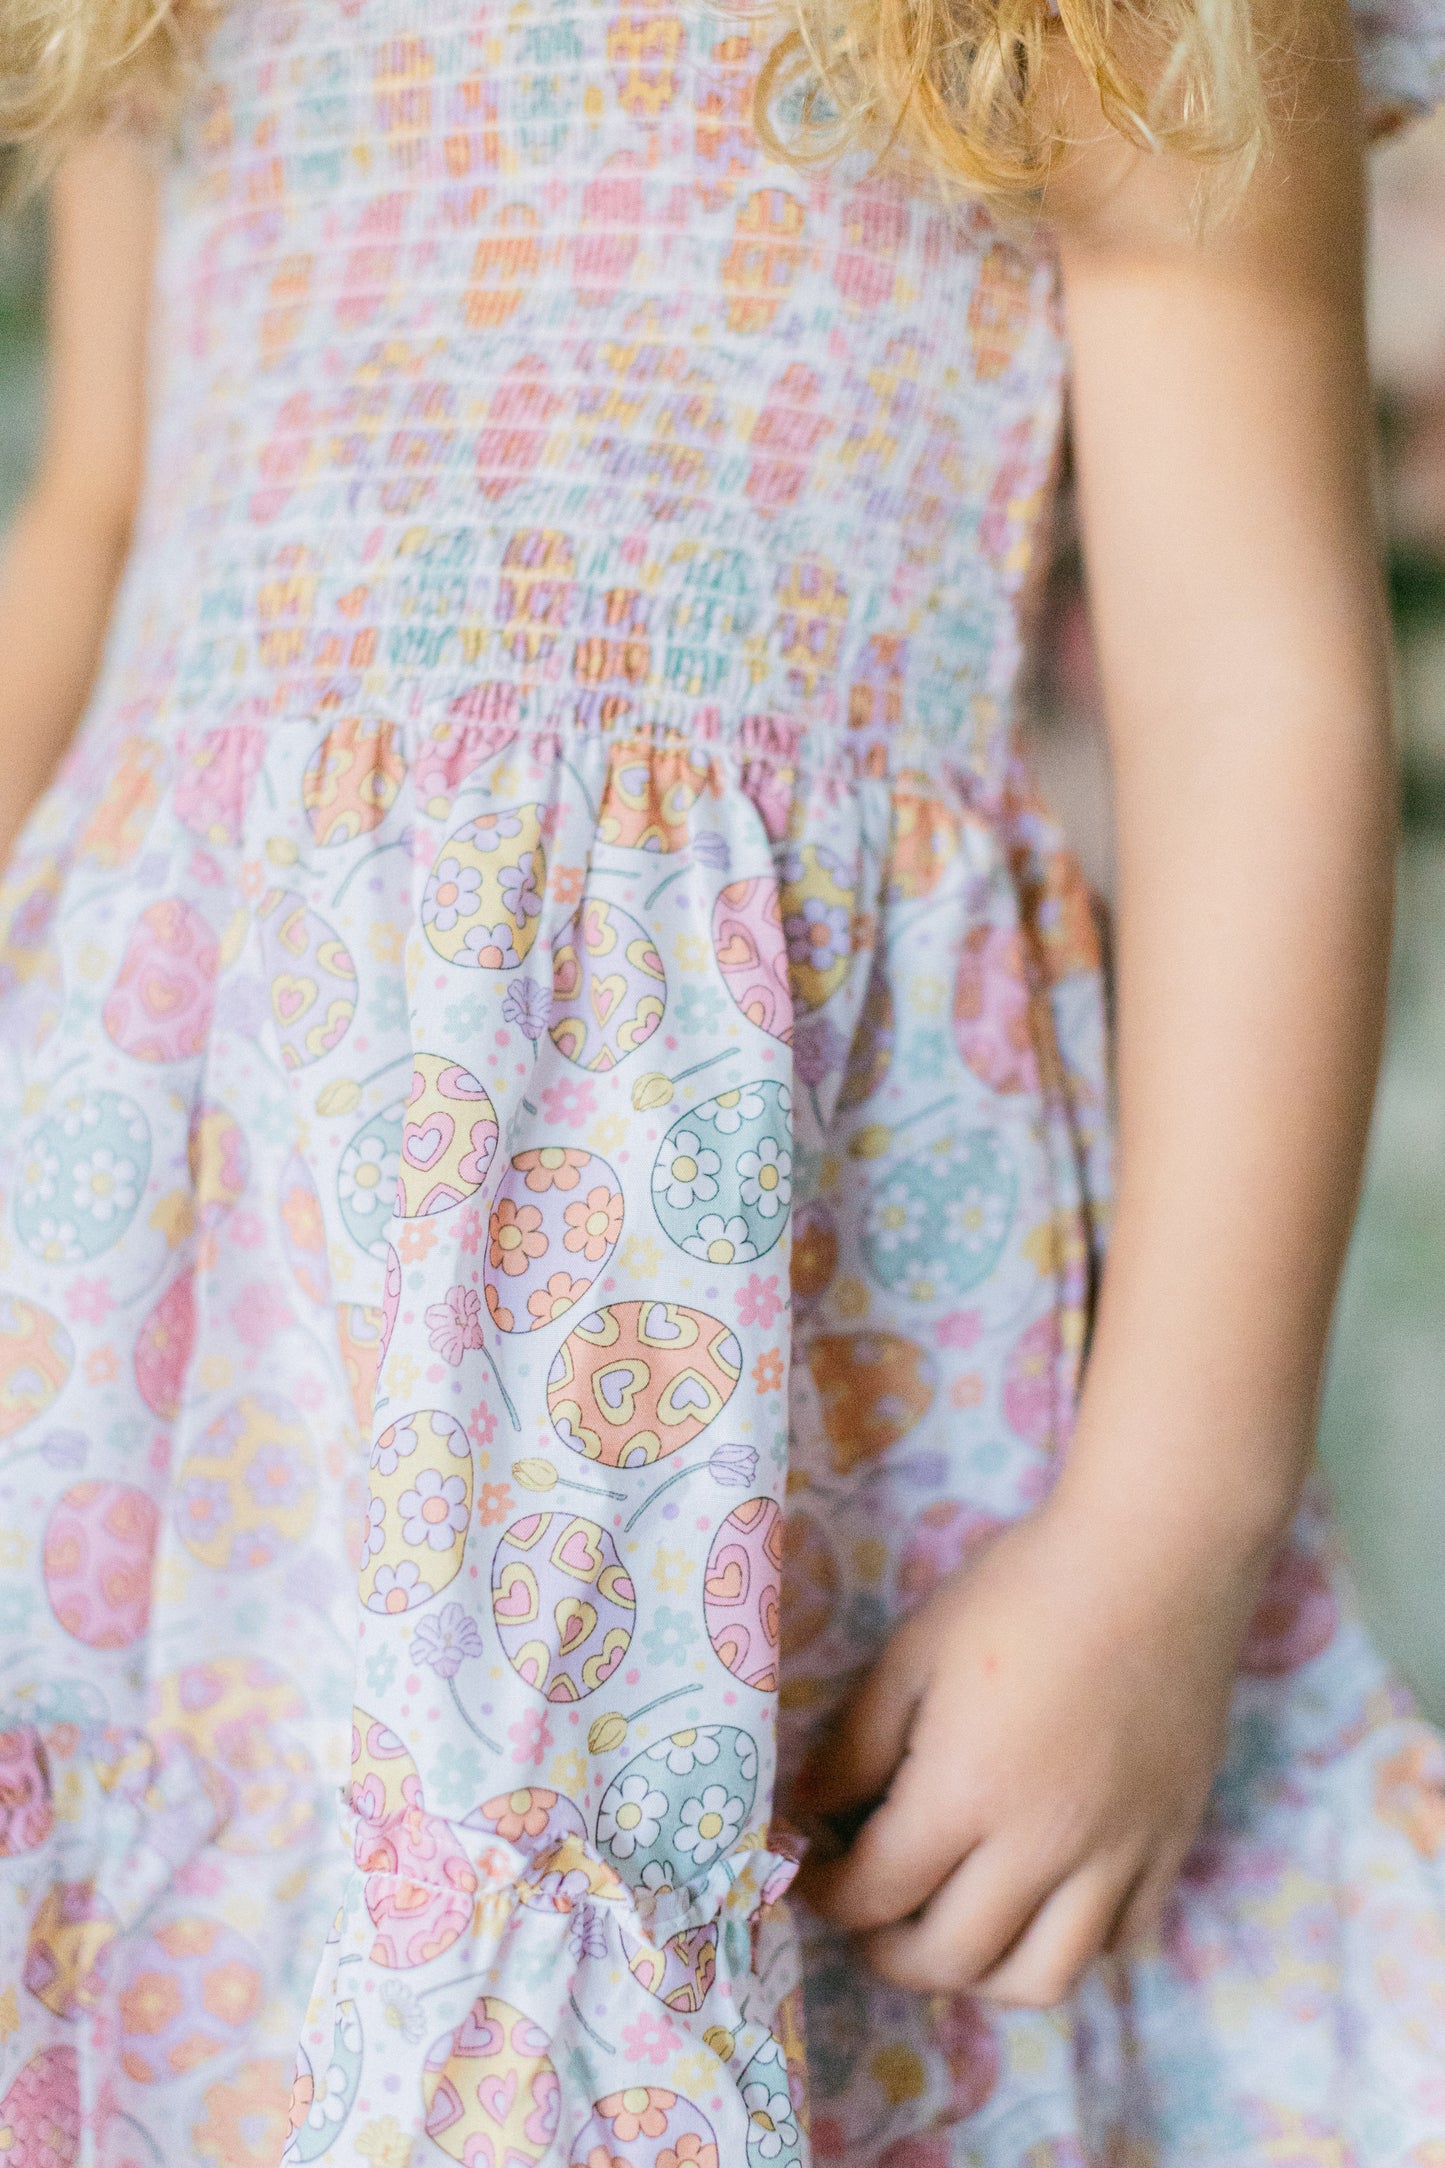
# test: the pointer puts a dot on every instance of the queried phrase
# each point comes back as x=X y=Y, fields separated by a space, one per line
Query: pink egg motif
x=741 y=1593
x=40 y=2113
x=752 y=954
x=191 y=1991
x=26 y=1815
x=160 y=1006
x=214 y=783
x=99 y=1545
x=420 y=1887
x=1296 y=1618
x=163 y=1348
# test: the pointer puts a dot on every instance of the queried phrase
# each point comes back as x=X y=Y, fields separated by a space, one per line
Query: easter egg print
x=82 y=1174
x=817 y=912
x=645 y=2126
x=303 y=1230
x=384 y=1779
x=741 y=1593
x=649 y=797
x=219 y=1161
x=563 y=1603
x=680 y=1973
x=36 y=1353
x=161 y=1004
x=313 y=979
x=870 y=1056
x=416 y=1520
x=359 y=1330
x=100 y=1540
x=213 y=784
x=774 y=2139
x=244 y=1722
x=937 y=1222
x=367 y=1178
x=68 y=1950
x=553 y=1227
x=814 y=1257
x=811 y=1581
x=489 y=2088
x=40 y=2112
x=483 y=901
x=942 y=1537
x=448 y=1137
x=722 y=1184
x=420 y=1887
x=752 y=954
x=678 y=1805
x=924 y=841
x=27 y=1815
x=351 y=780
x=319 y=2106
x=533 y=1819
x=637 y=1381
x=191 y=1990
x=873 y=1386
x=609 y=990
x=163 y=1347
x=246 y=1492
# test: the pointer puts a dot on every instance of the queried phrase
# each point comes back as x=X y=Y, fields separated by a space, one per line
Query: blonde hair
x=960 y=82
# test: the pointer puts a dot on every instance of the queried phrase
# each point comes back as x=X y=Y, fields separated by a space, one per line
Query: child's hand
x=1040 y=1738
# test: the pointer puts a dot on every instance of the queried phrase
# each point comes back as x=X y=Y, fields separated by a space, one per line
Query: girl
x=545 y=855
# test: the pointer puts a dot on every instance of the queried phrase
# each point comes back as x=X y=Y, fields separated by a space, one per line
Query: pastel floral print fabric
x=553 y=1140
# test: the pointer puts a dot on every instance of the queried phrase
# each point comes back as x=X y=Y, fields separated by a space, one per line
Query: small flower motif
x=570 y=1103
x=721 y=1241
x=709 y=1824
x=567 y=883
x=88 y=1302
x=631 y=1817
x=519 y=888
x=396 y=1444
x=367 y=1177
x=731 y=1109
x=105 y=1185
x=276 y=1479
x=671 y=1570
x=818 y=935
x=641 y=1257
x=734 y=1466
x=685 y=1751
x=527 y=1006
x=686 y=1171
x=517 y=1236
x=897 y=1217
x=435 y=1512
x=490 y=830
x=697 y=1009
x=204 y=1508
x=531 y=1737
x=593 y=1223
x=759 y=1301
x=975 y=1219
x=494 y=1503
x=447 y=1642
x=455 y=1325
x=451 y=894
x=482 y=1424
x=397 y=1588
x=672 y=1635
x=490 y=948
x=401 y=2010
x=38 y=1175
x=415 y=1243
x=767 y=1178
x=652 y=2040
x=551 y=1166
x=768 y=1371
x=556 y=1298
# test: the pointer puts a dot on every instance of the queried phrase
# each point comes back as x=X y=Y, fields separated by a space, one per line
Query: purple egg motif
x=563 y=1603
x=554 y=1224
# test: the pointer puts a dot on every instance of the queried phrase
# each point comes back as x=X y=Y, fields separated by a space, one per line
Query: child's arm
x=66 y=547
x=1046 y=1728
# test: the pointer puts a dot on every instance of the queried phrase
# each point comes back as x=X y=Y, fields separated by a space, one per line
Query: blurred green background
x=1384 y=1423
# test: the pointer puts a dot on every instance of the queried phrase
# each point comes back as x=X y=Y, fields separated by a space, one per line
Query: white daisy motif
x=771 y=2117
x=396 y=1444
x=896 y=1219
x=435 y=1512
x=976 y=1217
x=767 y=1178
x=105 y=1185
x=398 y=1588
x=720 y=1241
x=57 y=1242
x=491 y=948
x=686 y=1750
x=37 y=1178
x=730 y=1110
x=631 y=1817
x=367 y=1178
x=328 y=2102
x=451 y=894
x=709 y=1824
x=686 y=1172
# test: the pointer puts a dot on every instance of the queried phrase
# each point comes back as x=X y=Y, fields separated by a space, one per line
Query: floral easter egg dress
x=540 y=1013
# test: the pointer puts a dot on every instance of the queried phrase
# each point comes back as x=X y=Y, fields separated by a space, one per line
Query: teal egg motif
x=81 y=1177
x=937 y=1223
x=722 y=1184
x=678 y=1805
x=367 y=1177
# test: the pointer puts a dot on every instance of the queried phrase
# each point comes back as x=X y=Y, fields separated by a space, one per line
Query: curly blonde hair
x=960 y=82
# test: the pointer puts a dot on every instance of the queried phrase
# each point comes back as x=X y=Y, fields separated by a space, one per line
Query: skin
x=1024 y=1769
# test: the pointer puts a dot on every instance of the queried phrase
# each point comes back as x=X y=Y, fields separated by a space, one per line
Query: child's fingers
x=967 y=1926
x=1139 y=1922
x=906 y=1848
x=851 y=1765
x=1069 y=1930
